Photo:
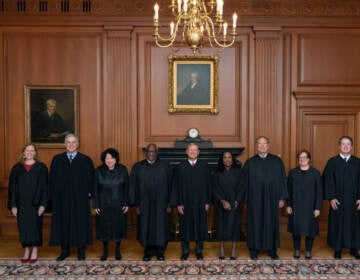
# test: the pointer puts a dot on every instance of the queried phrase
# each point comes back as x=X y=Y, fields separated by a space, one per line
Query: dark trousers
x=185 y=247
x=66 y=249
x=254 y=252
x=308 y=242
x=154 y=250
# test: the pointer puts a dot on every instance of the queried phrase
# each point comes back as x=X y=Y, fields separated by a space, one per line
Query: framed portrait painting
x=51 y=112
x=193 y=84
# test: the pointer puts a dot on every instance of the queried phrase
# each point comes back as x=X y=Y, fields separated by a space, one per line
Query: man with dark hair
x=191 y=194
x=149 y=191
x=342 y=189
x=70 y=188
x=265 y=187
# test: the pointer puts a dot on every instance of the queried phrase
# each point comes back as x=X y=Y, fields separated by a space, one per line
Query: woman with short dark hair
x=304 y=203
x=228 y=196
x=110 y=201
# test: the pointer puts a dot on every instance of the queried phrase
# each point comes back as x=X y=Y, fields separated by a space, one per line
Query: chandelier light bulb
x=156 y=10
x=172 y=25
x=234 y=20
x=225 y=28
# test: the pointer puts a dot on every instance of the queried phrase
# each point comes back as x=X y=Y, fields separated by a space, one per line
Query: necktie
x=346 y=159
x=193 y=163
x=71 y=158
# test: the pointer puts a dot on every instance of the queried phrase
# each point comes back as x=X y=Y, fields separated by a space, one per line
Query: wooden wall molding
x=268 y=111
x=228 y=128
x=145 y=7
x=117 y=129
x=293 y=75
x=313 y=70
x=335 y=114
x=35 y=58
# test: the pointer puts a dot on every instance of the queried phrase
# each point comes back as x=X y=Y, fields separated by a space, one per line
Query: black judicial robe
x=265 y=185
x=111 y=193
x=150 y=191
x=227 y=186
x=192 y=189
x=27 y=191
x=43 y=125
x=341 y=181
x=305 y=196
x=70 y=188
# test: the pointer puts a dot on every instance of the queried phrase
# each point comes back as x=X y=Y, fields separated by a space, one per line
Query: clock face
x=193 y=132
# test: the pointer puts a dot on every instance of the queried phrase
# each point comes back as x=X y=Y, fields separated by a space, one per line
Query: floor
x=131 y=249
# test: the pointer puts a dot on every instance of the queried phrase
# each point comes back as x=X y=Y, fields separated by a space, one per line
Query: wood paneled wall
x=293 y=75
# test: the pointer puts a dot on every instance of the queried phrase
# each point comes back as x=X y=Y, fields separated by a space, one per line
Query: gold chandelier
x=193 y=24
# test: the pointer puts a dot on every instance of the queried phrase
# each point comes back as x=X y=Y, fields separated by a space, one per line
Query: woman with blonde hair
x=27 y=200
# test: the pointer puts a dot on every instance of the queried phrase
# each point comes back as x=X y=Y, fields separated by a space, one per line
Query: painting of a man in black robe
x=193 y=84
x=51 y=114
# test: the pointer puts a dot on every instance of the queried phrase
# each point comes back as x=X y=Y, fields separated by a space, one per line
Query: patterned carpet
x=174 y=269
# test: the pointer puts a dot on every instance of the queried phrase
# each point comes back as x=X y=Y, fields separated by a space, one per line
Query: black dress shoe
x=199 y=256
x=355 y=253
x=274 y=256
x=308 y=255
x=146 y=258
x=184 y=256
x=81 y=256
x=104 y=256
x=63 y=256
x=254 y=256
x=337 y=255
x=221 y=258
x=232 y=258
x=160 y=257
x=297 y=254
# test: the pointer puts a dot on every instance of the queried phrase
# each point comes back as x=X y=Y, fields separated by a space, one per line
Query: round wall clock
x=193 y=132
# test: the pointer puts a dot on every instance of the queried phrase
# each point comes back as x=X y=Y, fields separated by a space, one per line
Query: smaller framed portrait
x=193 y=84
x=51 y=112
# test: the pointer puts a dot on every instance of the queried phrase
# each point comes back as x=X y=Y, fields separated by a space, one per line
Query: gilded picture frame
x=51 y=112
x=193 y=83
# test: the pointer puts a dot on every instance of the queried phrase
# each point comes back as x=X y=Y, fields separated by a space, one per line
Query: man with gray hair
x=265 y=187
x=70 y=188
x=191 y=195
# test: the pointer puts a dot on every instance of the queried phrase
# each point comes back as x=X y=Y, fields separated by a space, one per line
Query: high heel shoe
x=221 y=258
x=32 y=260
x=25 y=260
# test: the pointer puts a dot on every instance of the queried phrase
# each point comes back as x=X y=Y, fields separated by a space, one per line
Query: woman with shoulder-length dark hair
x=228 y=195
x=111 y=201
x=304 y=203
x=27 y=200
